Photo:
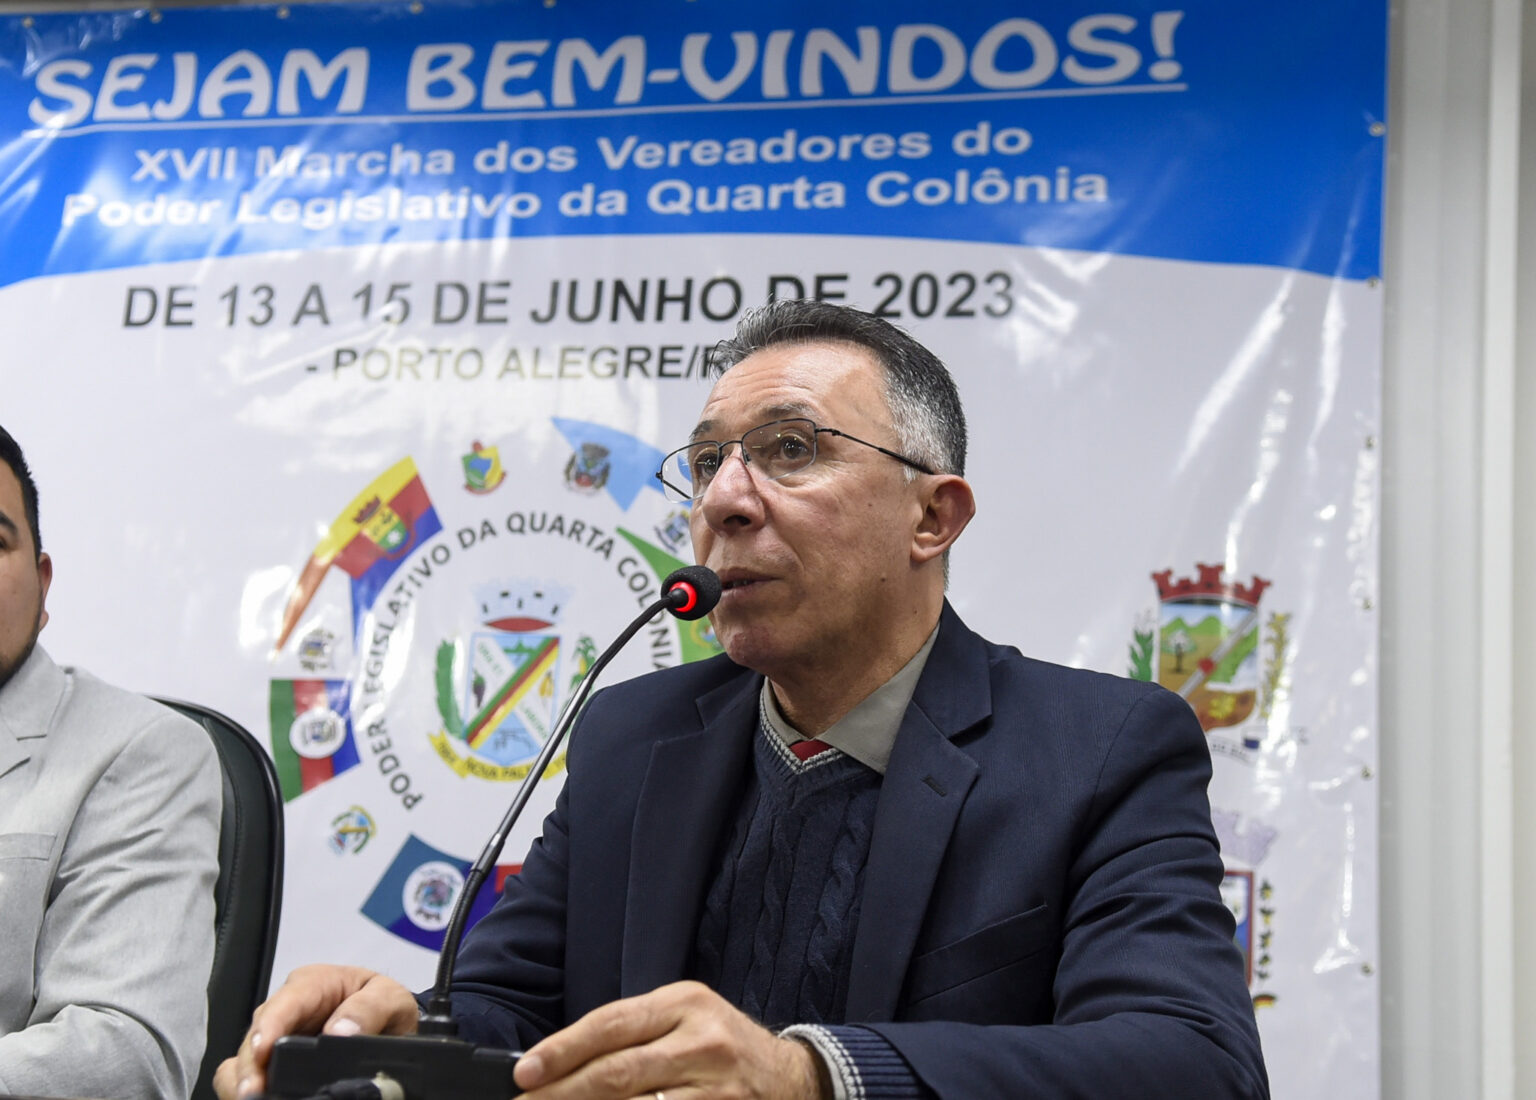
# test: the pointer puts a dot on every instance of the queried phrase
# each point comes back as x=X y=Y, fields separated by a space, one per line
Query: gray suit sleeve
x=126 y=942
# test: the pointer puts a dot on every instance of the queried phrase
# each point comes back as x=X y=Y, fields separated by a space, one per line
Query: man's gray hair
x=924 y=403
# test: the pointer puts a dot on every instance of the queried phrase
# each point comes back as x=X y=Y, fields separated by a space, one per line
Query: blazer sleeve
x=1149 y=993
x=126 y=941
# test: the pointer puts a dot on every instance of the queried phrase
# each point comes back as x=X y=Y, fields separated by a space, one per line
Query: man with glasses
x=866 y=853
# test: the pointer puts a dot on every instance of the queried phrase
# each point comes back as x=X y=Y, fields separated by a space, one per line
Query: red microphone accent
x=693 y=597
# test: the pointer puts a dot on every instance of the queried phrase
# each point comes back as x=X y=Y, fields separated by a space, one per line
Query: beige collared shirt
x=868 y=731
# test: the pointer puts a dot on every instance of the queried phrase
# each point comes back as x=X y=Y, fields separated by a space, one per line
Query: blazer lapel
x=689 y=797
x=925 y=787
x=13 y=753
x=29 y=703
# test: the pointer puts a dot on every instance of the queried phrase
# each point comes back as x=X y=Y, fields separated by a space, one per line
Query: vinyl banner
x=345 y=340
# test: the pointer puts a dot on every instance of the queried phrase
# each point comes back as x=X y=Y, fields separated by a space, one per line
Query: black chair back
x=248 y=896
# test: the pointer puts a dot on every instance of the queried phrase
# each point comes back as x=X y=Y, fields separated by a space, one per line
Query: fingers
x=381 y=1007
x=225 y=1079
x=340 y=1000
x=682 y=1039
x=618 y=1026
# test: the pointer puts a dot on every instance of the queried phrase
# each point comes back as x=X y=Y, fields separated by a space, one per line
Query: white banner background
x=1129 y=415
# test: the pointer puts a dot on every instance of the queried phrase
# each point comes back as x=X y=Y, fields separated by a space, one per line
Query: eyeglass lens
x=776 y=449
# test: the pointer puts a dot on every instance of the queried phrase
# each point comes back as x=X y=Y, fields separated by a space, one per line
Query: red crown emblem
x=1208 y=585
x=367 y=513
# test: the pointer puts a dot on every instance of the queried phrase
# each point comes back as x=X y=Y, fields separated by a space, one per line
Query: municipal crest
x=415 y=896
x=1249 y=896
x=429 y=894
x=317 y=733
x=382 y=525
x=351 y=830
x=1208 y=642
x=317 y=650
x=499 y=687
x=672 y=532
x=588 y=469
x=482 y=468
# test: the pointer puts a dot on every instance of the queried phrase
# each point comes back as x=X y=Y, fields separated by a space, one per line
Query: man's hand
x=336 y=1000
x=683 y=1040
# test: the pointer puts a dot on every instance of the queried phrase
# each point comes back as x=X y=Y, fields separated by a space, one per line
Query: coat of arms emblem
x=498 y=688
x=1205 y=646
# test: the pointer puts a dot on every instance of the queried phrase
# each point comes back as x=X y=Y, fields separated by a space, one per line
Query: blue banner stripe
x=1221 y=133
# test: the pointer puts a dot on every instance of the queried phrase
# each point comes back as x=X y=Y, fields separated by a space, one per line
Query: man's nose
x=729 y=469
x=732 y=490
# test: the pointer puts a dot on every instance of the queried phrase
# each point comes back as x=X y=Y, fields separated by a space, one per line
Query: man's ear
x=45 y=578
x=948 y=505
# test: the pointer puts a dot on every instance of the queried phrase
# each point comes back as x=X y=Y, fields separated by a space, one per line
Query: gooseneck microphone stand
x=435 y=1064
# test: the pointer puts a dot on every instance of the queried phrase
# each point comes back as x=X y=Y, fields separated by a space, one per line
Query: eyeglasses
x=778 y=449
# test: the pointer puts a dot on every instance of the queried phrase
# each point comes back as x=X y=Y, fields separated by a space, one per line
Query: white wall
x=1523 y=851
x=1459 y=440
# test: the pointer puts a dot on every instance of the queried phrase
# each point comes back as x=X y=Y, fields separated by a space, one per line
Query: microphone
x=434 y=1064
x=701 y=587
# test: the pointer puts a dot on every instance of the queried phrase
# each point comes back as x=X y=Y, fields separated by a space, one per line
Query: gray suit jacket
x=109 y=833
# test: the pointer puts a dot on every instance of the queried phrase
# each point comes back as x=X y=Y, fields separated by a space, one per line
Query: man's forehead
x=784 y=380
x=13 y=509
x=758 y=415
x=11 y=502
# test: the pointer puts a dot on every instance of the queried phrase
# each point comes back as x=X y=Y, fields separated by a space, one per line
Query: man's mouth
x=731 y=583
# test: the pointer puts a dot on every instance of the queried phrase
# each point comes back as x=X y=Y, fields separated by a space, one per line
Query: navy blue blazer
x=1041 y=912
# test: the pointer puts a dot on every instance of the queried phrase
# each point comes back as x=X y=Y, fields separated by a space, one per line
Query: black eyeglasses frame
x=687 y=495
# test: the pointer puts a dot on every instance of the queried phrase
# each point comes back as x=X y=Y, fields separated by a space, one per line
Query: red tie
x=808 y=748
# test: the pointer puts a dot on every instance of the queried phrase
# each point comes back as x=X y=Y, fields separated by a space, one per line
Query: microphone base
x=426 y=1068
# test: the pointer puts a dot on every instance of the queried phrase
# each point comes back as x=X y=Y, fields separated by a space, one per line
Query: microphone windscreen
x=694 y=590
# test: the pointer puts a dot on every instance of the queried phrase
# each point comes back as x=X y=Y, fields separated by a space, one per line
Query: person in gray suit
x=109 y=835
